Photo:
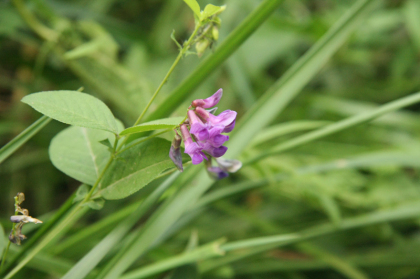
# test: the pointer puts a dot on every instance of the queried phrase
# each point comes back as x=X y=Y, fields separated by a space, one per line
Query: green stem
x=5 y=255
x=184 y=49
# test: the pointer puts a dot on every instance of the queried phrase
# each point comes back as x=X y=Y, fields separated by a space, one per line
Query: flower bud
x=175 y=152
x=201 y=46
x=215 y=33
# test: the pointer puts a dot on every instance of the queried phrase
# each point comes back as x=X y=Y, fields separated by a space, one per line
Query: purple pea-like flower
x=210 y=101
x=229 y=127
x=213 y=151
x=198 y=128
x=215 y=138
x=225 y=118
x=192 y=148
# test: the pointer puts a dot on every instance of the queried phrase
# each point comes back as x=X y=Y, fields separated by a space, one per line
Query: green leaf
x=96 y=204
x=23 y=137
x=210 y=10
x=166 y=123
x=81 y=192
x=174 y=39
x=106 y=143
x=76 y=151
x=74 y=108
x=143 y=163
x=194 y=7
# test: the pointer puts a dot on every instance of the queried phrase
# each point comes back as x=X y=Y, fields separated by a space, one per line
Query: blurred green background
x=369 y=167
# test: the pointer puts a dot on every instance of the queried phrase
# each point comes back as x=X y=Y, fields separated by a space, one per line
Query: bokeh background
x=127 y=51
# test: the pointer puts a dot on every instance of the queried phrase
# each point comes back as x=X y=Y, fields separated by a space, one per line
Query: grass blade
x=91 y=259
x=290 y=84
x=23 y=137
x=340 y=125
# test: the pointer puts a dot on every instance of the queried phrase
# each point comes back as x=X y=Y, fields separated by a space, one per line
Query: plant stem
x=5 y=255
x=184 y=49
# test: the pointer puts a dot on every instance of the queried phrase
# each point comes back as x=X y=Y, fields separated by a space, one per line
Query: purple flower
x=217 y=173
x=191 y=147
x=213 y=151
x=210 y=101
x=225 y=166
x=198 y=128
x=225 y=118
x=229 y=127
x=215 y=138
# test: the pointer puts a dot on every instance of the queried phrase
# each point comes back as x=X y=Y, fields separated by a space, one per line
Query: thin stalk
x=184 y=49
x=8 y=244
x=5 y=254
x=23 y=137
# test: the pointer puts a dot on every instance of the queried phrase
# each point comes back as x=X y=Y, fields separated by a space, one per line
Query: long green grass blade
x=258 y=245
x=91 y=259
x=341 y=125
x=23 y=137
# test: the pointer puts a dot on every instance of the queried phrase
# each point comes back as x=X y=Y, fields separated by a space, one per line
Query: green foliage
x=327 y=131
x=73 y=108
x=194 y=7
x=165 y=123
x=22 y=138
x=76 y=151
x=141 y=165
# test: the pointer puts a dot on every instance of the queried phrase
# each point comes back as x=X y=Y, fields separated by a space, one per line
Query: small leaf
x=76 y=151
x=210 y=10
x=96 y=204
x=106 y=143
x=74 y=108
x=81 y=193
x=143 y=163
x=165 y=123
x=174 y=39
x=194 y=7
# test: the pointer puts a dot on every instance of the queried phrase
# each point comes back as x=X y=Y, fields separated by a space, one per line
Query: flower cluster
x=206 y=129
x=203 y=135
